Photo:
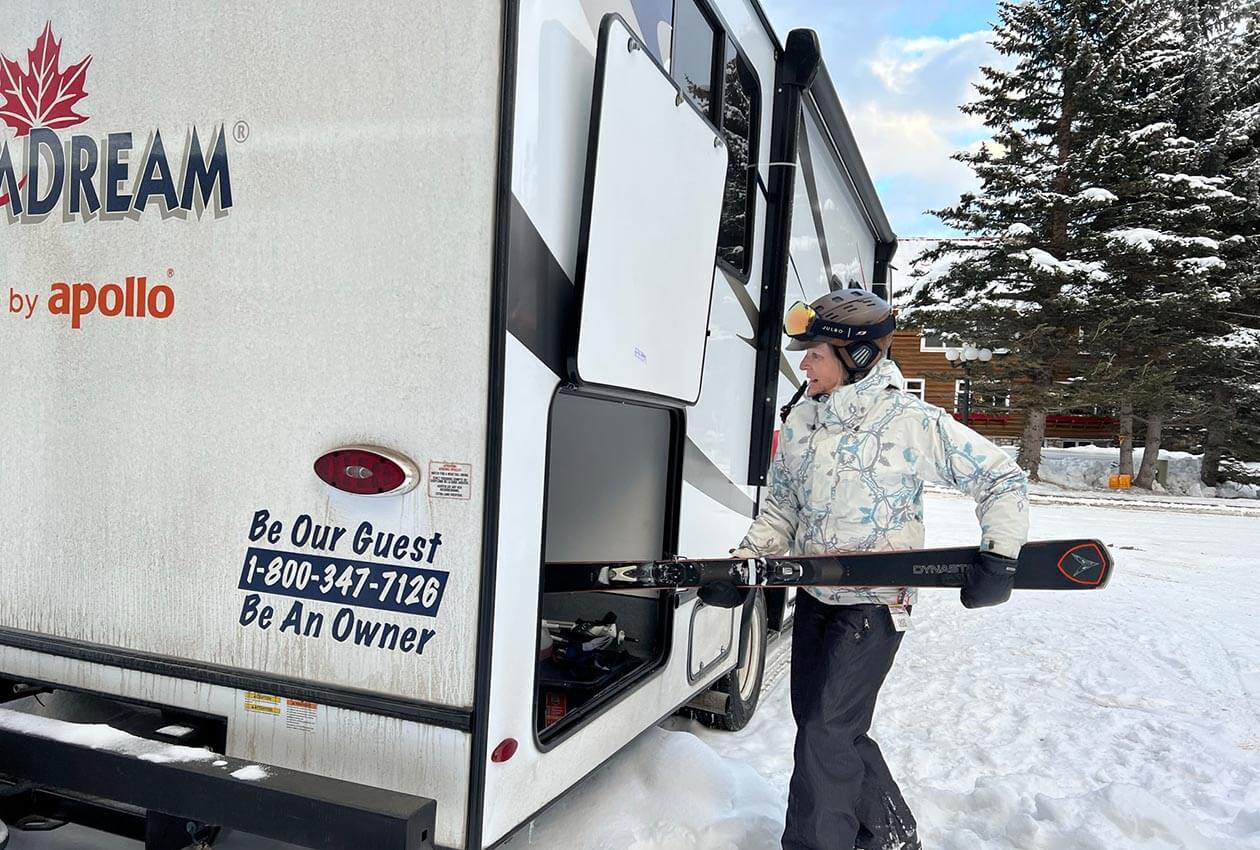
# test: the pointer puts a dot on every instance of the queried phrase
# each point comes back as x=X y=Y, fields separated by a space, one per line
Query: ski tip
x=1086 y=564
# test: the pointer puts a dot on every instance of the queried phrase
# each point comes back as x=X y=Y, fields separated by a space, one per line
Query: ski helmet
x=851 y=320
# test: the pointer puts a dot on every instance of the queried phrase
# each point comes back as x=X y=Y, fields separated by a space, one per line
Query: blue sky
x=901 y=68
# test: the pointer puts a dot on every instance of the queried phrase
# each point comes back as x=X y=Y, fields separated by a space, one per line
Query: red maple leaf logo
x=43 y=96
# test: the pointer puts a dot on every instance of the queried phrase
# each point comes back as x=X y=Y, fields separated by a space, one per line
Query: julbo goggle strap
x=802 y=321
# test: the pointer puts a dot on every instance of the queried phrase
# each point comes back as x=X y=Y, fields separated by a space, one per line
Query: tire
x=743 y=684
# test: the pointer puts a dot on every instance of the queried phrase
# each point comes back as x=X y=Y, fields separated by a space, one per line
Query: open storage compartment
x=613 y=477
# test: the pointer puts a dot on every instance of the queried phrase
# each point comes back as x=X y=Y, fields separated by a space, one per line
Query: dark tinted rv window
x=740 y=103
x=695 y=43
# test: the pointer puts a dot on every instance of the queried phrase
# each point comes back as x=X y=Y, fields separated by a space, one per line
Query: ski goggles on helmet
x=803 y=322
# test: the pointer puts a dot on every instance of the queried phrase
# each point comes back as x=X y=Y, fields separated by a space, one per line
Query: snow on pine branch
x=1199 y=265
x=1238 y=338
x=1096 y=195
x=1145 y=239
x=1045 y=261
x=1203 y=187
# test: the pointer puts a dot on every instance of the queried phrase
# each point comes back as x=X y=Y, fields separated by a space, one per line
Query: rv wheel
x=743 y=684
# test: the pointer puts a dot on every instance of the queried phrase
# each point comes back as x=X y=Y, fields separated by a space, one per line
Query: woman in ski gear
x=849 y=475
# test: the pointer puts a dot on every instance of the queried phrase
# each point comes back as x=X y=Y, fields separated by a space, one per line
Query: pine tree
x=1227 y=385
x=1022 y=289
x=1165 y=213
x=1117 y=200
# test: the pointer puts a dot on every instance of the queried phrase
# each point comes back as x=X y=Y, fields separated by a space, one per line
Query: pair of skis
x=1042 y=565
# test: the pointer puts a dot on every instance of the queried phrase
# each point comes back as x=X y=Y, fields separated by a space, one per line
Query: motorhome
x=327 y=327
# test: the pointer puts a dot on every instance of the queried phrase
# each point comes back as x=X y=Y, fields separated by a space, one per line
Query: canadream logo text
x=94 y=176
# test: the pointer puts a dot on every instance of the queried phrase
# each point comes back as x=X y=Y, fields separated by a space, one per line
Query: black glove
x=989 y=582
x=722 y=594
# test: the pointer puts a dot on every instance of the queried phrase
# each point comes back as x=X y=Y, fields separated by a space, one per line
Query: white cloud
x=905 y=116
x=899 y=62
x=901 y=85
x=907 y=144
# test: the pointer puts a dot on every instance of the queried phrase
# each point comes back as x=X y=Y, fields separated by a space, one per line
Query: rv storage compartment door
x=654 y=182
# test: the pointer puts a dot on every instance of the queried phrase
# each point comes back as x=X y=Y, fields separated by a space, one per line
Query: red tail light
x=505 y=750
x=367 y=471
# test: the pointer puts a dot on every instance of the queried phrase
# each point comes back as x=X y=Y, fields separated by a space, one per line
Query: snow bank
x=668 y=791
x=1089 y=468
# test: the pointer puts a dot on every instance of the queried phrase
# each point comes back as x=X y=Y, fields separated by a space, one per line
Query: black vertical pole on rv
x=480 y=743
x=795 y=73
x=880 y=283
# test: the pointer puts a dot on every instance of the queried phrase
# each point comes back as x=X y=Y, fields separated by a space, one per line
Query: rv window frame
x=723 y=36
x=753 y=177
x=717 y=50
x=667 y=601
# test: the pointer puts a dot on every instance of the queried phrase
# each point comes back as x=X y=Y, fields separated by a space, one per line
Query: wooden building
x=929 y=376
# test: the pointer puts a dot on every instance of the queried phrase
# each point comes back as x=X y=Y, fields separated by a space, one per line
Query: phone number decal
x=386 y=587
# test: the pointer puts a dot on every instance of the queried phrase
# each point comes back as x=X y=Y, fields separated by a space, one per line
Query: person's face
x=823 y=369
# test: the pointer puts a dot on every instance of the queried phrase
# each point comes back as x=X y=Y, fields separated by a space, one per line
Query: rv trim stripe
x=459 y=719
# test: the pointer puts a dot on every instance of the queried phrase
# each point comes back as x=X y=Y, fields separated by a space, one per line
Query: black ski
x=1043 y=565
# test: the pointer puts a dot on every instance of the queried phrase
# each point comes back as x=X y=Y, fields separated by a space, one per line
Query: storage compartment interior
x=612 y=484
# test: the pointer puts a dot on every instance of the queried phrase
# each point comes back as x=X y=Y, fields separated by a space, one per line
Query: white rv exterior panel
x=385 y=752
x=341 y=297
x=518 y=788
x=555 y=65
x=655 y=202
x=712 y=633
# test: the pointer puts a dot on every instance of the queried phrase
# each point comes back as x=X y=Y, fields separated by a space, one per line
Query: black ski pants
x=842 y=795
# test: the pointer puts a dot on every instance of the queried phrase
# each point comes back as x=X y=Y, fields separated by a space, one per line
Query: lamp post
x=964 y=357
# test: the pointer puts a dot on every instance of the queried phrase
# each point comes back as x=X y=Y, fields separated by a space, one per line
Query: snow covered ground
x=1127 y=718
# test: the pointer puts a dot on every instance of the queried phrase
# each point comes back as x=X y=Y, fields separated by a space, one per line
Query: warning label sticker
x=450 y=480
x=262 y=703
x=300 y=715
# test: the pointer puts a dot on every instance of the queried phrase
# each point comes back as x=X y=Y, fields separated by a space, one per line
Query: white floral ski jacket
x=849 y=474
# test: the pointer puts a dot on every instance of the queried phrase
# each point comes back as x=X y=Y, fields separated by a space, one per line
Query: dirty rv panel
x=304 y=265
x=188 y=437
